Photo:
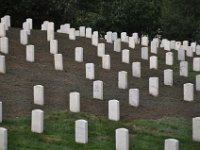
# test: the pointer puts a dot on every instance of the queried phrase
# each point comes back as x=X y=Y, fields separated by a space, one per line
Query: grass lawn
x=59 y=133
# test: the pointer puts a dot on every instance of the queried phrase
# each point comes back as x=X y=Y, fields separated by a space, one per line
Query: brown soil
x=16 y=88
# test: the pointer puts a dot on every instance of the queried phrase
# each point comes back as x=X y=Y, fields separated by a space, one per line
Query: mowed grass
x=59 y=133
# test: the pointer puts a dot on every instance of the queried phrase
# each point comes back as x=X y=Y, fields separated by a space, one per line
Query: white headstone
x=98 y=89
x=117 y=45
x=132 y=42
x=145 y=41
x=2 y=64
x=153 y=62
x=171 y=144
x=114 y=110
x=181 y=54
x=95 y=38
x=81 y=131
x=134 y=97
x=184 y=68
x=198 y=82
x=196 y=64
x=198 y=50
x=26 y=27
x=185 y=45
x=189 y=51
x=53 y=46
x=136 y=69
x=122 y=80
x=30 y=53
x=196 y=129
x=2 y=30
x=125 y=56
x=154 y=48
x=23 y=37
x=177 y=45
x=154 y=86
x=167 y=45
x=169 y=58
x=1 y=112
x=114 y=36
x=122 y=139
x=106 y=62
x=193 y=45
x=144 y=53
x=109 y=37
x=172 y=44
x=3 y=139
x=82 y=31
x=124 y=37
x=101 y=49
x=50 y=34
x=88 y=32
x=90 y=71
x=72 y=35
x=38 y=94
x=168 y=77
x=188 y=92
x=37 y=122
x=79 y=54
x=58 y=62
x=4 y=45
x=30 y=21
x=136 y=37
x=74 y=101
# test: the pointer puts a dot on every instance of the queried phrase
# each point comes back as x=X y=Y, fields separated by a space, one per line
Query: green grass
x=59 y=133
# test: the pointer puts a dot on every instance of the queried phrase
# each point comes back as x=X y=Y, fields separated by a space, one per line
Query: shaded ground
x=16 y=88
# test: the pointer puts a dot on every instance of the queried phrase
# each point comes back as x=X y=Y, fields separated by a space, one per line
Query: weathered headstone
x=2 y=64
x=74 y=101
x=198 y=82
x=38 y=94
x=122 y=80
x=98 y=89
x=30 y=53
x=181 y=54
x=136 y=69
x=114 y=110
x=53 y=46
x=184 y=68
x=4 y=45
x=90 y=71
x=134 y=97
x=117 y=45
x=101 y=49
x=171 y=144
x=196 y=129
x=81 y=131
x=79 y=54
x=95 y=38
x=154 y=86
x=72 y=35
x=1 y=112
x=58 y=62
x=188 y=91
x=169 y=58
x=144 y=53
x=132 y=42
x=3 y=139
x=106 y=62
x=153 y=62
x=196 y=64
x=82 y=31
x=125 y=56
x=168 y=77
x=2 y=30
x=37 y=122
x=145 y=41
x=122 y=139
x=23 y=37
x=88 y=32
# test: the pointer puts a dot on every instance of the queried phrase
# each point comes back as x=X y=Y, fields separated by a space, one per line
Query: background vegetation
x=177 y=19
